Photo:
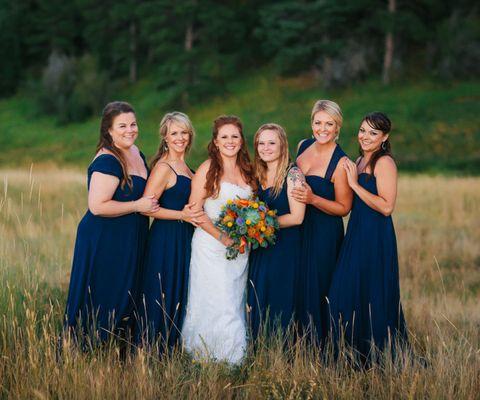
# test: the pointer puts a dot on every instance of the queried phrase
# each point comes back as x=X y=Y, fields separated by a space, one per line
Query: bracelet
x=134 y=206
x=222 y=234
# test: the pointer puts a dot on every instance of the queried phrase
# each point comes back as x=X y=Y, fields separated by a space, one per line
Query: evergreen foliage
x=195 y=47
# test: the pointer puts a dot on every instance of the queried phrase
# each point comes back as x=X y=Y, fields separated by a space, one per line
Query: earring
x=165 y=145
x=384 y=146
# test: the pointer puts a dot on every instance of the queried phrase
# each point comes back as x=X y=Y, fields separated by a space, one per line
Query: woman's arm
x=386 y=177
x=297 y=209
x=197 y=197
x=161 y=178
x=343 y=195
x=102 y=189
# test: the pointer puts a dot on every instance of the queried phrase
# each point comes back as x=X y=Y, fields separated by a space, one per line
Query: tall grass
x=438 y=234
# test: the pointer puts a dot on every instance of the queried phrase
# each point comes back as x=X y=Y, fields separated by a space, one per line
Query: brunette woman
x=365 y=292
x=111 y=236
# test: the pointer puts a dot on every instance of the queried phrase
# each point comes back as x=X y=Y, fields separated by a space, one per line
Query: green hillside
x=436 y=125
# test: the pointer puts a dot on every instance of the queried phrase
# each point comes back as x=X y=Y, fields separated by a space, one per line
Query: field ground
x=438 y=233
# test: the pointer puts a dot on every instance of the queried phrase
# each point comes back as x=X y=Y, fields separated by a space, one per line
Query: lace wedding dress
x=214 y=326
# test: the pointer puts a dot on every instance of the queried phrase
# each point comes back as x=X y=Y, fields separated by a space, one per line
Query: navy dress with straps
x=106 y=262
x=322 y=236
x=365 y=291
x=165 y=275
x=273 y=271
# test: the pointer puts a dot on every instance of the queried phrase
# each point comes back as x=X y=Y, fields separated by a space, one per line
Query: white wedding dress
x=214 y=326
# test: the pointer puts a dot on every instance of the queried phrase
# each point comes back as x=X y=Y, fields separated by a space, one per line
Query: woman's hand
x=352 y=173
x=191 y=216
x=226 y=240
x=146 y=204
x=303 y=194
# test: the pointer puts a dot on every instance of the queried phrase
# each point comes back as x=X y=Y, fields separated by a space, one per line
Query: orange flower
x=242 y=202
x=251 y=231
x=243 y=244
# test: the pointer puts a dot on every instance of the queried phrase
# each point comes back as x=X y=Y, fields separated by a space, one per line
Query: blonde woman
x=164 y=283
x=273 y=270
x=328 y=198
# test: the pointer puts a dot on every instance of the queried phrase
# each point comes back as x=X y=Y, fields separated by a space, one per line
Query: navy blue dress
x=164 y=287
x=322 y=236
x=106 y=262
x=365 y=292
x=273 y=271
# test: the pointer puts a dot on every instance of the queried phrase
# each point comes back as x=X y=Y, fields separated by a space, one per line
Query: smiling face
x=370 y=139
x=177 y=137
x=228 y=140
x=124 y=130
x=269 y=147
x=324 y=127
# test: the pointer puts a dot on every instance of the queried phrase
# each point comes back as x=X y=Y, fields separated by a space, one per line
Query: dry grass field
x=437 y=222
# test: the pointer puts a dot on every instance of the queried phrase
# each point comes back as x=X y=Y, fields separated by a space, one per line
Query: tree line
x=71 y=52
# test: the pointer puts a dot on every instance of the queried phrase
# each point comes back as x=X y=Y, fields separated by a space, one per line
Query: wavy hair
x=215 y=171
x=381 y=122
x=260 y=166
x=181 y=119
x=109 y=113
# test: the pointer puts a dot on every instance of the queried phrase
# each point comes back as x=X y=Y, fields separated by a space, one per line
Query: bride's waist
x=205 y=240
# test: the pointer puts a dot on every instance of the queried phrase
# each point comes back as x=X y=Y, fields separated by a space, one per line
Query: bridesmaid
x=273 y=270
x=328 y=198
x=365 y=292
x=111 y=236
x=165 y=273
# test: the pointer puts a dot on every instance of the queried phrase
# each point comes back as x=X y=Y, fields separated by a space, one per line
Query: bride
x=214 y=326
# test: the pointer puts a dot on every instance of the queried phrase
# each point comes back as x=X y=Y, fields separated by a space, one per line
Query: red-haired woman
x=111 y=236
x=214 y=325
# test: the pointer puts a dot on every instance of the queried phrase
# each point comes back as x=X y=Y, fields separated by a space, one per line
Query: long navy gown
x=365 y=292
x=273 y=272
x=322 y=236
x=106 y=262
x=164 y=287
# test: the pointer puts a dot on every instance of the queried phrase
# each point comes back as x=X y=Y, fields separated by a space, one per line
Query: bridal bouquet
x=249 y=223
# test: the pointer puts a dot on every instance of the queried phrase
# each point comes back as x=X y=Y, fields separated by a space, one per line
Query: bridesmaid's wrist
x=221 y=237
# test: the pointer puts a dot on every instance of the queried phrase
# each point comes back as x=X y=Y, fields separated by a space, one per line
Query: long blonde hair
x=181 y=119
x=260 y=166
